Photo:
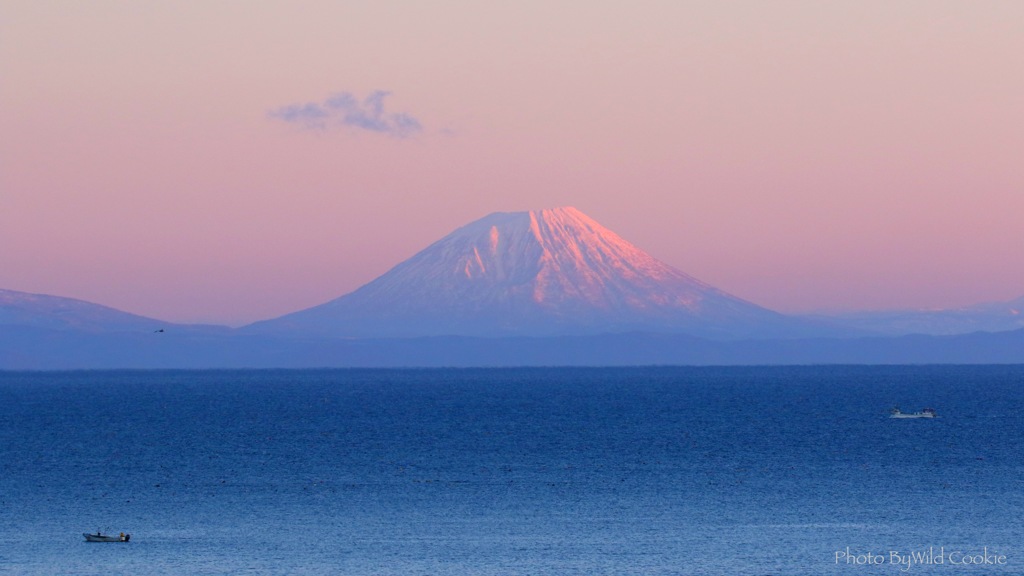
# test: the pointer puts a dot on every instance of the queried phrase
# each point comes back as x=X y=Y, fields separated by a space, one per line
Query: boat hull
x=102 y=538
x=926 y=413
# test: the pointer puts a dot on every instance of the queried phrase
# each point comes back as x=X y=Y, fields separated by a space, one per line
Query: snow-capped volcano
x=532 y=273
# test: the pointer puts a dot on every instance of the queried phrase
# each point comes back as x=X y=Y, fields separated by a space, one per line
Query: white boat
x=97 y=537
x=925 y=413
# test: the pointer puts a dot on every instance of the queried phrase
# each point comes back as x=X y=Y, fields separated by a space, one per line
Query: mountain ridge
x=983 y=317
x=59 y=312
x=32 y=348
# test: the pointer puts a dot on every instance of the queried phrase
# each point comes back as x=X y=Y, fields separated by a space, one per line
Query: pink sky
x=802 y=155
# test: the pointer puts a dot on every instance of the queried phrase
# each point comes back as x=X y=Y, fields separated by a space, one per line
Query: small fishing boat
x=925 y=413
x=97 y=537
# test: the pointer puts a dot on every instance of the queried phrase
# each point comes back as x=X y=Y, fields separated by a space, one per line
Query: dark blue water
x=517 y=471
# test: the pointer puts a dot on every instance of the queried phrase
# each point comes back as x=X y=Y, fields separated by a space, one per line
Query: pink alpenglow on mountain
x=538 y=273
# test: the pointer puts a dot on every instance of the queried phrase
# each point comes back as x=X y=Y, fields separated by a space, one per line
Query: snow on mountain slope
x=533 y=273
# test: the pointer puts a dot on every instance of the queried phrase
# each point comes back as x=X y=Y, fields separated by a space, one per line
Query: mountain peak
x=553 y=271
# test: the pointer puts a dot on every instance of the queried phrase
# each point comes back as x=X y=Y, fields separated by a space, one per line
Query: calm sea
x=647 y=471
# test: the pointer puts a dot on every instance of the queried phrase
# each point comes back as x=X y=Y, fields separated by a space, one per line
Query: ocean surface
x=731 y=471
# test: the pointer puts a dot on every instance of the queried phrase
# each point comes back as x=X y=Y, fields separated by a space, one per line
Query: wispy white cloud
x=345 y=110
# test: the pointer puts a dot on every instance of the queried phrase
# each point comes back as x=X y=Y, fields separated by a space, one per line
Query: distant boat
x=925 y=413
x=97 y=537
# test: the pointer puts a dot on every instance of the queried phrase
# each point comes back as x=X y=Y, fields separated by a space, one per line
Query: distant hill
x=54 y=312
x=38 y=348
x=987 y=317
x=539 y=273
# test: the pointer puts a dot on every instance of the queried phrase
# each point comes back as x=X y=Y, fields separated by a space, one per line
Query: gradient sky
x=229 y=161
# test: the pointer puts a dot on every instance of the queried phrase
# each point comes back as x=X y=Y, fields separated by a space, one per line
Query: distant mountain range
x=28 y=348
x=551 y=287
x=988 y=317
